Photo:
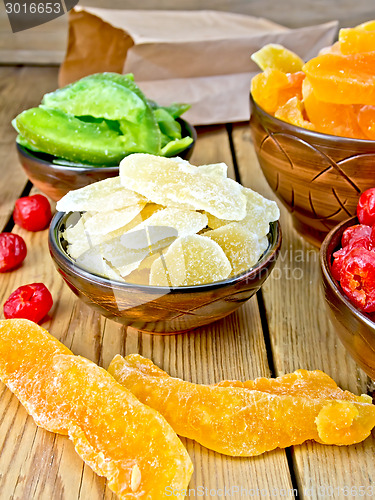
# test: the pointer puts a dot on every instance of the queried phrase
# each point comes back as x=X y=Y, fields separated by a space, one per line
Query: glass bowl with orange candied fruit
x=313 y=127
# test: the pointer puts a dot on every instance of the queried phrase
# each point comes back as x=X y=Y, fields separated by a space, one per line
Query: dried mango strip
x=120 y=438
x=244 y=422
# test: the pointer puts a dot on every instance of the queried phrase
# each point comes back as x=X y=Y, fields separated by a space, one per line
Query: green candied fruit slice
x=167 y=124
x=143 y=137
x=176 y=146
x=98 y=98
x=146 y=133
x=26 y=144
x=177 y=109
x=57 y=133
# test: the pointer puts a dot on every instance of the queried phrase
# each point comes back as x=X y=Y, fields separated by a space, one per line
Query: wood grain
x=20 y=88
x=35 y=464
x=302 y=337
x=46 y=44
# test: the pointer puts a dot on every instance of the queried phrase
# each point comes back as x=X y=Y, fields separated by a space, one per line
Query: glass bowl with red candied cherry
x=353 y=265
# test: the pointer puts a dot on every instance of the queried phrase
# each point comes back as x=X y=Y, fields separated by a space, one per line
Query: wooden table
x=282 y=328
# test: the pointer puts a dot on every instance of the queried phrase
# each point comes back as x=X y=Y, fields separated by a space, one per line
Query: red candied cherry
x=359 y=234
x=29 y=302
x=366 y=207
x=358 y=278
x=33 y=213
x=12 y=251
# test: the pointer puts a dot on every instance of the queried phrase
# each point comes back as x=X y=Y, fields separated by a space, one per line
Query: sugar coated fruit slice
x=259 y=213
x=292 y=112
x=129 y=443
x=99 y=197
x=242 y=421
x=172 y=180
x=240 y=245
x=343 y=79
x=125 y=252
x=185 y=222
x=358 y=39
x=190 y=260
x=219 y=170
x=334 y=119
x=275 y=56
x=108 y=221
x=81 y=238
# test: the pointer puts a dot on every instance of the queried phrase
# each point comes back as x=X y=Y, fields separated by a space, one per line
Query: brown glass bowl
x=318 y=177
x=355 y=329
x=160 y=310
x=56 y=180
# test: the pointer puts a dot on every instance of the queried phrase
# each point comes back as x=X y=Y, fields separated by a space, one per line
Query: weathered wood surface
x=302 y=337
x=46 y=44
x=283 y=329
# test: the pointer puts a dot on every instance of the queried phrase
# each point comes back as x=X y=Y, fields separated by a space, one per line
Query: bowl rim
x=305 y=132
x=34 y=155
x=58 y=253
x=327 y=274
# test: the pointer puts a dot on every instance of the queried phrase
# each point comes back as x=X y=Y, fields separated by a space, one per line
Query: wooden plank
x=46 y=44
x=20 y=88
x=302 y=337
x=35 y=464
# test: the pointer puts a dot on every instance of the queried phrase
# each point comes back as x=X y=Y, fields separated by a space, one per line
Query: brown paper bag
x=198 y=57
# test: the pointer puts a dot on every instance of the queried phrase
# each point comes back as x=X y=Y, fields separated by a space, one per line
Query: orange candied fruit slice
x=292 y=112
x=334 y=119
x=331 y=49
x=358 y=39
x=343 y=79
x=247 y=419
x=366 y=121
x=117 y=436
x=273 y=88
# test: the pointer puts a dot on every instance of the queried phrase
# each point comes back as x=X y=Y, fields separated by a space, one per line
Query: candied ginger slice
x=214 y=222
x=125 y=252
x=81 y=239
x=129 y=443
x=190 y=260
x=259 y=213
x=219 y=170
x=171 y=180
x=238 y=421
x=106 y=222
x=186 y=222
x=99 y=196
x=240 y=245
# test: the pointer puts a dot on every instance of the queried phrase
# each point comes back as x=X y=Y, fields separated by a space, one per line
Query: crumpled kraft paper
x=198 y=57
